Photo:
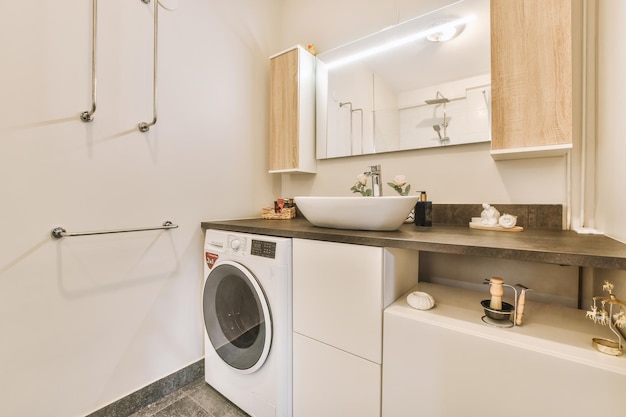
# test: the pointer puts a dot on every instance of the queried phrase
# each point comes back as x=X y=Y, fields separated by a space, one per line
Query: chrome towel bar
x=145 y=126
x=59 y=232
x=87 y=116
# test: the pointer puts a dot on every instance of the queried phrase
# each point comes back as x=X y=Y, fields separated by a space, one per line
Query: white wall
x=87 y=320
x=611 y=123
x=456 y=174
x=610 y=134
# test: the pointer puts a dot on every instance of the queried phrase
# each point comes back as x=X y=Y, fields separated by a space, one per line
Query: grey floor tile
x=162 y=403
x=185 y=407
x=236 y=412
x=196 y=399
x=214 y=402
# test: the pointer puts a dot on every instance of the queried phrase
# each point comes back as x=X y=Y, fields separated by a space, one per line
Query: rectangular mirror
x=407 y=87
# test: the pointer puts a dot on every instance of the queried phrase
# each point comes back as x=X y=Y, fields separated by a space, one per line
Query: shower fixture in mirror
x=420 y=84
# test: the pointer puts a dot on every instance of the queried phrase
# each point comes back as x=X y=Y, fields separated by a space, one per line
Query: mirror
x=397 y=90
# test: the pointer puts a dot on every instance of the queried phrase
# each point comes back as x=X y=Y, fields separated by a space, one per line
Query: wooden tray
x=495 y=228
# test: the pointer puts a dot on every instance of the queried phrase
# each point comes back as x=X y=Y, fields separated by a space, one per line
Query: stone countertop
x=547 y=246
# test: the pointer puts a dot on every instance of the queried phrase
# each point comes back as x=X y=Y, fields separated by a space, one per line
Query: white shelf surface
x=549 y=329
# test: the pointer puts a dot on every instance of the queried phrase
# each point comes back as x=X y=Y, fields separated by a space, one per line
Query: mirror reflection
x=420 y=84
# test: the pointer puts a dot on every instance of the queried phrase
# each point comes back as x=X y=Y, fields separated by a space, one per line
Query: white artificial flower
x=399 y=180
x=362 y=178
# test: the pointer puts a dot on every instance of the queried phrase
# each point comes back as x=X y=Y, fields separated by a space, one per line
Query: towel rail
x=59 y=232
x=87 y=116
x=145 y=126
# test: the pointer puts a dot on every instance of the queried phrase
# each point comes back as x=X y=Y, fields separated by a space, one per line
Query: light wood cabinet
x=531 y=71
x=292 y=112
x=339 y=294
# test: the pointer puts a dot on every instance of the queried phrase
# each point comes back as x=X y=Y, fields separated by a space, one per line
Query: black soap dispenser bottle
x=423 y=211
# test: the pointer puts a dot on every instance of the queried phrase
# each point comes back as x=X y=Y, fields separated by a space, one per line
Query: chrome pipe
x=349 y=103
x=87 y=116
x=360 y=111
x=59 y=232
x=145 y=126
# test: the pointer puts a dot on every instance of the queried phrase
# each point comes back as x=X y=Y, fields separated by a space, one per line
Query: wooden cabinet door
x=531 y=70
x=284 y=111
x=292 y=112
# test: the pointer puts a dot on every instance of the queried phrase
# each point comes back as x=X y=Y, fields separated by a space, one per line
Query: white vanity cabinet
x=447 y=362
x=339 y=294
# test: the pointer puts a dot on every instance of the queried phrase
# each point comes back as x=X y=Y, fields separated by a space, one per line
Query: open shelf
x=548 y=329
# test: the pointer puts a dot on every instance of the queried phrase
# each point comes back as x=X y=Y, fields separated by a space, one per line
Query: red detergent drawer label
x=211 y=258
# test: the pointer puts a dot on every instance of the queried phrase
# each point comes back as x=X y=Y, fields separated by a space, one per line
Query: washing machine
x=248 y=320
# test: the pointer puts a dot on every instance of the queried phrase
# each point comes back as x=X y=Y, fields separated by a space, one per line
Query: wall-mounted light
x=439 y=27
x=442 y=31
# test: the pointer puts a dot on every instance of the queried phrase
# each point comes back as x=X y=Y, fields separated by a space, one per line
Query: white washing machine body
x=247 y=310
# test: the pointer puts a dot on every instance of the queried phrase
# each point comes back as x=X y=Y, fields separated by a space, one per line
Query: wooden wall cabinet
x=292 y=112
x=531 y=71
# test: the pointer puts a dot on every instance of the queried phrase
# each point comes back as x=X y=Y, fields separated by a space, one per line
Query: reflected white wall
x=466 y=114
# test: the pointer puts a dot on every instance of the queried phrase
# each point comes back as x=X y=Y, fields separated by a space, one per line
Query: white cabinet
x=292 y=112
x=339 y=294
x=331 y=382
x=446 y=362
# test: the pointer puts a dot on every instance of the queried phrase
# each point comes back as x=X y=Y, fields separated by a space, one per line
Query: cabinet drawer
x=329 y=382
x=338 y=295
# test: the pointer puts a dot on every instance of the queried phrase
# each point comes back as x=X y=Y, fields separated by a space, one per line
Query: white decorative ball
x=420 y=300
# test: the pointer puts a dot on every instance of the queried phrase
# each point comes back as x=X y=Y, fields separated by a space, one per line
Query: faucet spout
x=375 y=172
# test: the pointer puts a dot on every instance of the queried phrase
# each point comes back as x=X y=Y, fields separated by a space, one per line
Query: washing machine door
x=237 y=316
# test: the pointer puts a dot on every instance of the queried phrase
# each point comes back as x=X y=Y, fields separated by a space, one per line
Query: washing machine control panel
x=242 y=246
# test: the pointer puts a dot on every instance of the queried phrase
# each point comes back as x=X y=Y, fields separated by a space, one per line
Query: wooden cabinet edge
x=292 y=171
x=531 y=152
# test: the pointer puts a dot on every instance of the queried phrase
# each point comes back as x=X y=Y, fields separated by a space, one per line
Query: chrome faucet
x=376 y=173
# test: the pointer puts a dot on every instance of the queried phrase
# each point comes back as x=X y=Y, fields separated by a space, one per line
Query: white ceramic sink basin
x=356 y=212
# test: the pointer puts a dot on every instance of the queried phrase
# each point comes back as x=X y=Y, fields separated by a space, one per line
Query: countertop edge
x=559 y=247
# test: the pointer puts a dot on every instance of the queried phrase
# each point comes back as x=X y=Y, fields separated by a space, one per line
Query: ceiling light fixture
x=442 y=31
x=429 y=31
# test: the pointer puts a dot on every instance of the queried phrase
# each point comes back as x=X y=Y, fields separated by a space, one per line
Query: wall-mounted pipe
x=87 y=116
x=352 y=111
x=145 y=126
x=359 y=111
x=349 y=104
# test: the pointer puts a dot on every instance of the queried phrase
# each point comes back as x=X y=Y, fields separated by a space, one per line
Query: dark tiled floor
x=196 y=399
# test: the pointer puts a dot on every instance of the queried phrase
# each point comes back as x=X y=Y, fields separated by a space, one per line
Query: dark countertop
x=547 y=246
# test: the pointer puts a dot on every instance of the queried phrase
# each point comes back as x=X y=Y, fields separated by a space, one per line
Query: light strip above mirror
x=399 y=42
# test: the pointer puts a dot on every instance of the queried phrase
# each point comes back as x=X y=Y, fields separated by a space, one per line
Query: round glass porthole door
x=237 y=317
